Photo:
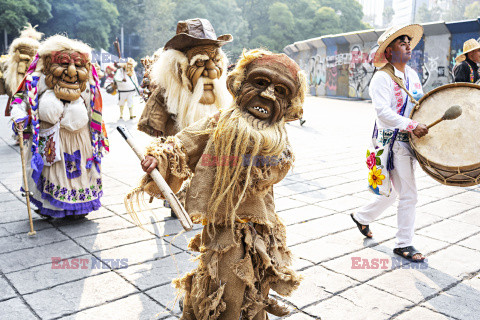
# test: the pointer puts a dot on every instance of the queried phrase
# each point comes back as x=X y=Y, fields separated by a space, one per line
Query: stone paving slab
x=422 y=313
x=158 y=272
x=15 y=309
x=69 y=298
x=6 y=291
x=460 y=302
x=20 y=241
x=27 y=258
x=48 y=275
x=137 y=306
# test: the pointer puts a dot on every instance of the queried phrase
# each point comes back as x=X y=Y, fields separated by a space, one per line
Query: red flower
x=371 y=160
x=50 y=150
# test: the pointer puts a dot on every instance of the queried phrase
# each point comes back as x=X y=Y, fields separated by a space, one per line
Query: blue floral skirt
x=66 y=187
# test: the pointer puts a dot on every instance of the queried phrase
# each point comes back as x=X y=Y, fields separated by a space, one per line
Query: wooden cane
x=177 y=207
x=25 y=182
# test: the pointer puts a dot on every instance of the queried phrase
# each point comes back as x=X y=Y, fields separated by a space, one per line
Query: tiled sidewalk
x=314 y=200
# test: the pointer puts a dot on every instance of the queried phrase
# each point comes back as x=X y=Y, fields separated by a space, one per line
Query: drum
x=450 y=152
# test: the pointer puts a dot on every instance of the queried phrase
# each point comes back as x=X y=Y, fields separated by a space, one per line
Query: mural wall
x=342 y=65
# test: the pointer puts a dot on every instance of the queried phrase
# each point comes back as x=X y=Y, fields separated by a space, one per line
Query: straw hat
x=414 y=31
x=469 y=45
x=196 y=32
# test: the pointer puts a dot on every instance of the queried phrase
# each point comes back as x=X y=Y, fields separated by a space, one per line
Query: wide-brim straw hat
x=414 y=31
x=469 y=45
x=196 y=32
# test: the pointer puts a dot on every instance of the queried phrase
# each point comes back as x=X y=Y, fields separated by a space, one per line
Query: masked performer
x=189 y=76
x=127 y=85
x=147 y=85
x=59 y=100
x=109 y=74
x=235 y=158
x=20 y=54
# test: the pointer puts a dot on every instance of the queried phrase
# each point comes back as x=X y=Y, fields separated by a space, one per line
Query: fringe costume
x=253 y=252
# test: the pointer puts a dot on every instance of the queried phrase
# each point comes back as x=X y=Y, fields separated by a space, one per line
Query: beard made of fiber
x=236 y=137
x=65 y=87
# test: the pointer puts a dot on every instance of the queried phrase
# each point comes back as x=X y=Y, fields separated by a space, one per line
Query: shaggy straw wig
x=235 y=136
x=239 y=74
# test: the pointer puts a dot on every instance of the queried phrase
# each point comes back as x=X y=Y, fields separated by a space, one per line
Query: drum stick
x=177 y=207
x=25 y=182
x=452 y=113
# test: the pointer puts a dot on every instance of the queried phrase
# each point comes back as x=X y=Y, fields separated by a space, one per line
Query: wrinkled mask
x=267 y=92
x=67 y=73
x=204 y=62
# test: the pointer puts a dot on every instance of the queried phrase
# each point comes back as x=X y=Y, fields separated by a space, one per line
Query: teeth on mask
x=260 y=109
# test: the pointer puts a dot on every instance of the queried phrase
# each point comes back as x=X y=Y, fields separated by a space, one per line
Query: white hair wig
x=16 y=53
x=61 y=43
x=170 y=73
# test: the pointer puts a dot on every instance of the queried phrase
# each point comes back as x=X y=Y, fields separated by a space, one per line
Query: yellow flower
x=375 y=177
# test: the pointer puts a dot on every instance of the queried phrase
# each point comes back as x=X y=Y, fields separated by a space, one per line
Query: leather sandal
x=364 y=229
x=408 y=253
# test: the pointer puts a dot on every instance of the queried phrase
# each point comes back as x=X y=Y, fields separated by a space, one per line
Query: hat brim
x=414 y=31
x=463 y=56
x=183 y=41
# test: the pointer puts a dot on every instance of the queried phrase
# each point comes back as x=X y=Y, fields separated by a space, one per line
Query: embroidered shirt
x=388 y=98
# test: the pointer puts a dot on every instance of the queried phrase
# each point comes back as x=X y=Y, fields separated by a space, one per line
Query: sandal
x=408 y=253
x=364 y=229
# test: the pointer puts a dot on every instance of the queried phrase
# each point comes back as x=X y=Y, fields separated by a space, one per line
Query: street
x=105 y=267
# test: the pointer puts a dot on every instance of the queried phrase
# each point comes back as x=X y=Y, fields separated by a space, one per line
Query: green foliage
x=272 y=24
x=14 y=14
x=472 y=11
x=424 y=14
x=388 y=13
x=91 y=21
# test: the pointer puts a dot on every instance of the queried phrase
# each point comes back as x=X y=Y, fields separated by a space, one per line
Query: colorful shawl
x=28 y=91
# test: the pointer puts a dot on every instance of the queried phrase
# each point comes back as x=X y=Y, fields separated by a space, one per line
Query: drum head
x=451 y=143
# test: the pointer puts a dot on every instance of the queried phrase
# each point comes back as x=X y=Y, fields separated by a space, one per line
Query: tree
x=387 y=15
x=472 y=11
x=424 y=14
x=281 y=25
x=91 y=21
x=327 y=21
x=350 y=13
x=15 y=14
x=158 y=24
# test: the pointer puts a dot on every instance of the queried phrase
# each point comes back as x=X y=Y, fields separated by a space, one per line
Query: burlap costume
x=243 y=251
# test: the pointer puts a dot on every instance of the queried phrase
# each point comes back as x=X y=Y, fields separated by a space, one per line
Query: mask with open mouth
x=267 y=91
x=67 y=73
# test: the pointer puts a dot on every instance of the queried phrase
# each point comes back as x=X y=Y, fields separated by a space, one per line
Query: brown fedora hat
x=196 y=32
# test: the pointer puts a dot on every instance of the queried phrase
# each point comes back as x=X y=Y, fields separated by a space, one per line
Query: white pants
x=126 y=98
x=403 y=179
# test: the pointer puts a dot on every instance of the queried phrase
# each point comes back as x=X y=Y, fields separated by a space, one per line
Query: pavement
x=112 y=269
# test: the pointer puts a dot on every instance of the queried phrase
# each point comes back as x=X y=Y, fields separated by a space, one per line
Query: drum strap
x=388 y=68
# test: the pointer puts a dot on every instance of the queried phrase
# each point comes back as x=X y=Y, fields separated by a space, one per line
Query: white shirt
x=385 y=95
x=131 y=83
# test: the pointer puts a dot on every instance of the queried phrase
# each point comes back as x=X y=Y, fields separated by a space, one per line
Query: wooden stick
x=177 y=207
x=434 y=123
x=25 y=180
